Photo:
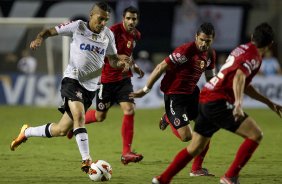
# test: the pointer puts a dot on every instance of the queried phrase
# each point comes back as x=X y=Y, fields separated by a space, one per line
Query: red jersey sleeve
x=178 y=56
x=246 y=61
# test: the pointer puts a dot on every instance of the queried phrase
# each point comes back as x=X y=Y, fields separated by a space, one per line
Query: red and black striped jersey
x=186 y=65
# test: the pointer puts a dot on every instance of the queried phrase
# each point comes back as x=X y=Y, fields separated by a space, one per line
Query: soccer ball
x=100 y=171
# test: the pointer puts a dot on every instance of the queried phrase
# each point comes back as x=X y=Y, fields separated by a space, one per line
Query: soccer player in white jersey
x=91 y=41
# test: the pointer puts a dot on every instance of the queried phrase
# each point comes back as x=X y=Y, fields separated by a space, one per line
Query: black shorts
x=72 y=90
x=113 y=92
x=215 y=115
x=181 y=108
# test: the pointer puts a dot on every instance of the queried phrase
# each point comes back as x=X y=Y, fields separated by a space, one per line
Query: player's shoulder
x=107 y=31
x=246 y=53
x=74 y=24
x=247 y=50
x=80 y=23
x=116 y=27
x=185 y=47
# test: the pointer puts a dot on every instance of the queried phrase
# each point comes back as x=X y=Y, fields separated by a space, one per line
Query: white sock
x=39 y=131
x=81 y=137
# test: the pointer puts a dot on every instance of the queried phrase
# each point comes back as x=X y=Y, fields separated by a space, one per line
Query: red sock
x=127 y=132
x=198 y=160
x=174 y=131
x=244 y=153
x=90 y=116
x=179 y=162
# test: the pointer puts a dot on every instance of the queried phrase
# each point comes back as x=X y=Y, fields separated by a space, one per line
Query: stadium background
x=57 y=161
x=161 y=31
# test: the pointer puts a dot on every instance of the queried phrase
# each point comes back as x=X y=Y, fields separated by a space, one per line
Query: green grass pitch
x=57 y=160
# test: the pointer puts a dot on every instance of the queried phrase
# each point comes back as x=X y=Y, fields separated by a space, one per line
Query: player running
x=91 y=41
x=183 y=69
x=221 y=102
x=116 y=85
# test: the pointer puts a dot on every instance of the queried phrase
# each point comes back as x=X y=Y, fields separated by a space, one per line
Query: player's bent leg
x=253 y=135
x=91 y=116
x=20 y=138
x=80 y=132
x=46 y=130
x=197 y=169
x=250 y=129
x=62 y=127
x=197 y=146
x=184 y=157
x=180 y=128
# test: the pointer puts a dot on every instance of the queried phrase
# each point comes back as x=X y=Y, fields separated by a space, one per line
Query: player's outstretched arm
x=155 y=75
x=42 y=36
x=253 y=93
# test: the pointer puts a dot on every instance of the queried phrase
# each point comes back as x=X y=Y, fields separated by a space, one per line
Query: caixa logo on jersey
x=90 y=47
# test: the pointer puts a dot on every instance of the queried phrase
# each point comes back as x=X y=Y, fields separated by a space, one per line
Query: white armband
x=134 y=66
x=146 y=89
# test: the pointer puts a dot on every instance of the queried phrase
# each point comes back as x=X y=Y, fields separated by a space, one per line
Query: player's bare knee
x=128 y=111
x=63 y=133
x=59 y=132
x=258 y=136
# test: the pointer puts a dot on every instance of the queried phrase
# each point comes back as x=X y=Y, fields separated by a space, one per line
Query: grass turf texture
x=57 y=160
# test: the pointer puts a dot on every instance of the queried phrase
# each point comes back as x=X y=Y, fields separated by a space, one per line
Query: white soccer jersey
x=87 y=52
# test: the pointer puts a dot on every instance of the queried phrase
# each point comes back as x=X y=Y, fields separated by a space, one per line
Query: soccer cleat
x=131 y=157
x=155 y=180
x=226 y=180
x=20 y=139
x=163 y=124
x=70 y=134
x=201 y=172
x=85 y=165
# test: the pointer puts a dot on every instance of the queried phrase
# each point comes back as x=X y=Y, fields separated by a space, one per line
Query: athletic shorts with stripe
x=181 y=108
x=72 y=90
x=113 y=92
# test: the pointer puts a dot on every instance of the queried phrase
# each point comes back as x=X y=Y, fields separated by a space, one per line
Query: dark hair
x=131 y=9
x=206 y=28
x=263 y=35
x=103 y=6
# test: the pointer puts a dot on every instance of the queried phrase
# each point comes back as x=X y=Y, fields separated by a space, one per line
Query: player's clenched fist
x=36 y=43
